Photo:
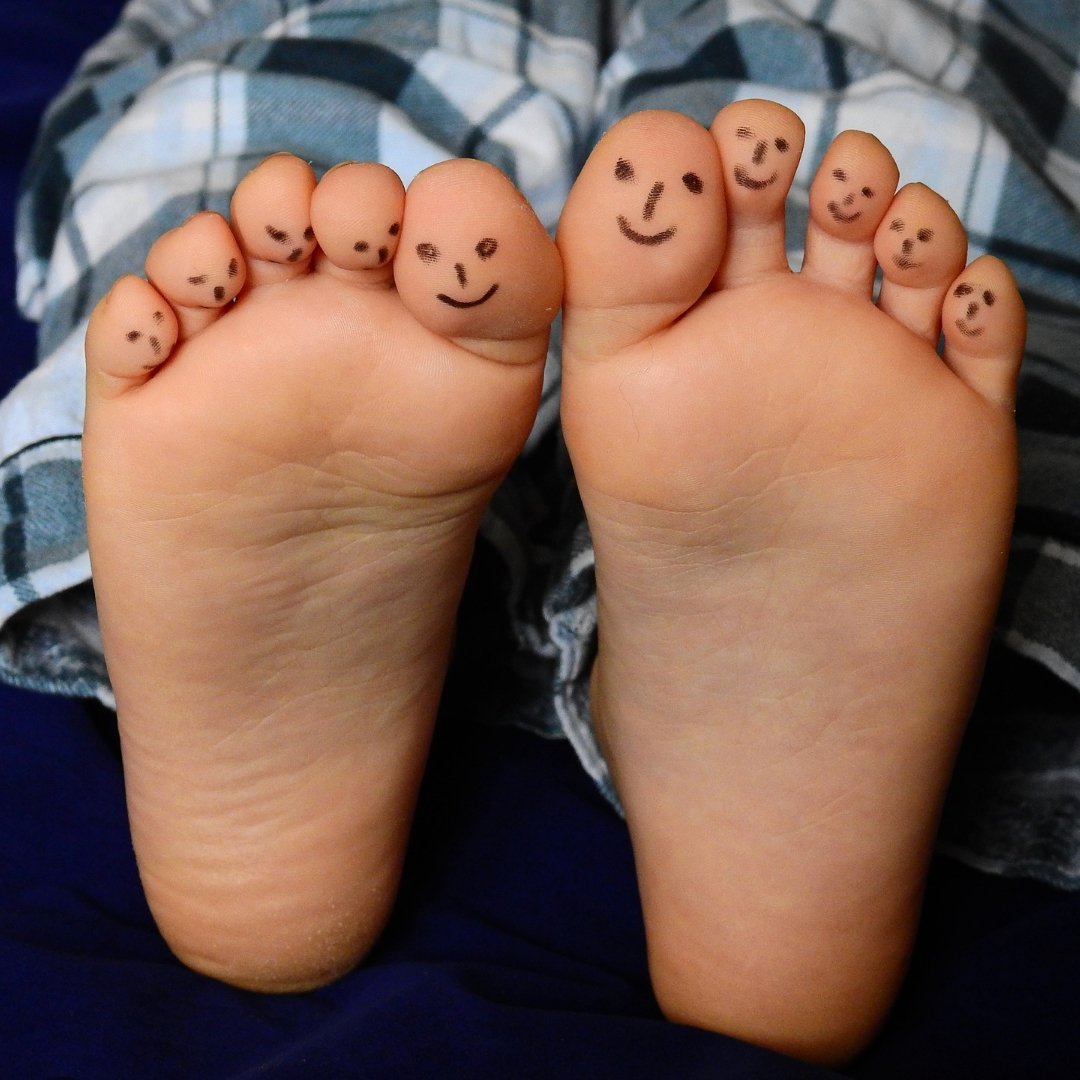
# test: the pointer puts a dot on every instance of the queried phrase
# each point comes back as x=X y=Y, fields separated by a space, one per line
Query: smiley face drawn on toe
x=761 y=153
x=905 y=258
x=625 y=173
x=152 y=340
x=198 y=264
x=221 y=294
x=384 y=250
x=841 y=209
x=484 y=249
x=964 y=323
x=281 y=236
x=160 y=338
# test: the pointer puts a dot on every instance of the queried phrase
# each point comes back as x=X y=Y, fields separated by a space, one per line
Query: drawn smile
x=641 y=238
x=905 y=262
x=839 y=215
x=965 y=289
x=468 y=303
x=744 y=179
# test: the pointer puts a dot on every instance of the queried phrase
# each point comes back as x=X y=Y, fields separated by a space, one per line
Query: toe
x=198 y=268
x=271 y=215
x=984 y=324
x=475 y=265
x=131 y=333
x=760 y=145
x=642 y=231
x=356 y=212
x=852 y=190
x=921 y=246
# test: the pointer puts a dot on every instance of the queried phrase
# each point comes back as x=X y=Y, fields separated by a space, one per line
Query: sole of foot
x=292 y=430
x=800 y=513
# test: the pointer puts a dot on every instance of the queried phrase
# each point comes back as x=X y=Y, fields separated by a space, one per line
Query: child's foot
x=282 y=509
x=800 y=514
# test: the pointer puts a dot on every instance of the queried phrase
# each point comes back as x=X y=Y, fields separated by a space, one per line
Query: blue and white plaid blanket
x=979 y=100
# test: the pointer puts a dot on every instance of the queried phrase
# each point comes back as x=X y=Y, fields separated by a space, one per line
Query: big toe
x=475 y=265
x=642 y=231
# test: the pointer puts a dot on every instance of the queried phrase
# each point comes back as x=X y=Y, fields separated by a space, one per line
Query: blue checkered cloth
x=982 y=102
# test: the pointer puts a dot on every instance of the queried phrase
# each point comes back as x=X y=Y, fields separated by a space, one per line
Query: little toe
x=921 y=246
x=271 y=215
x=642 y=231
x=131 y=333
x=984 y=323
x=475 y=264
x=851 y=192
x=198 y=268
x=356 y=212
x=760 y=145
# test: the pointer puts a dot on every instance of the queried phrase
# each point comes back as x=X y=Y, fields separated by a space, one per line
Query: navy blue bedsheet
x=517 y=948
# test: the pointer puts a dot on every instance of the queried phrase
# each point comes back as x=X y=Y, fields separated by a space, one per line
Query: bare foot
x=283 y=494
x=801 y=515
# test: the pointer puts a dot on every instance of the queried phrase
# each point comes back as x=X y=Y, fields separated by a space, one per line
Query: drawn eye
x=963 y=289
x=428 y=253
x=693 y=182
x=234 y=268
x=744 y=133
x=362 y=246
x=280 y=236
x=896 y=225
x=867 y=193
x=486 y=247
x=923 y=235
x=309 y=233
x=200 y=280
x=781 y=145
x=624 y=171
x=394 y=229
x=133 y=335
x=841 y=176
x=989 y=297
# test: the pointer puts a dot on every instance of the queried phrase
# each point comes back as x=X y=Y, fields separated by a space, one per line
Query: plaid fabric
x=980 y=101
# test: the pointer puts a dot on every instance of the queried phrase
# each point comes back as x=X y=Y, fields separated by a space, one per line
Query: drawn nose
x=849 y=199
x=652 y=200
x=907 y=245
x=759 y=152
x=460 y=271
x=219 y=292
